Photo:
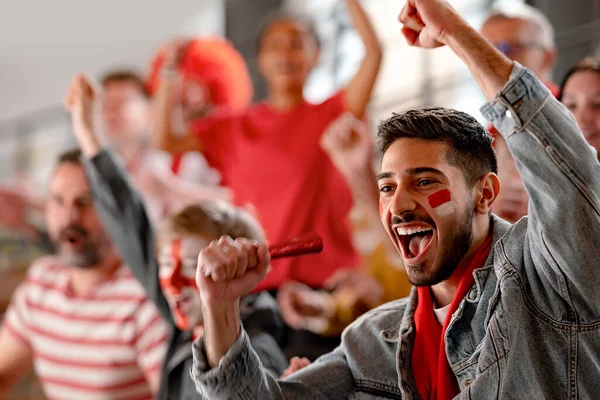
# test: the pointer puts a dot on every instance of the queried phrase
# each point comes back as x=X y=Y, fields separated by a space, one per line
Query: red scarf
x=433 y=375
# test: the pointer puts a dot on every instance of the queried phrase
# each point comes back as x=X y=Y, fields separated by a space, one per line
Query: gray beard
x=88 y=259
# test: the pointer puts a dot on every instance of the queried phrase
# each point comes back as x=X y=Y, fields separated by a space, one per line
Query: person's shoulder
x=47 y=267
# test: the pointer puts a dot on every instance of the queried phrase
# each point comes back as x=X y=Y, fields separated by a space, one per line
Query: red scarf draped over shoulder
x=433 y=375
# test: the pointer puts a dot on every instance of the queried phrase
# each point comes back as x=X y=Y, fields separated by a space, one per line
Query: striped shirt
x=98 y=346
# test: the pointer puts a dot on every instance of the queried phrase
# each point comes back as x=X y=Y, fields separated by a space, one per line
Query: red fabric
x=176 y=163
x=433 y=375
x=218 y=65
x=273 y=161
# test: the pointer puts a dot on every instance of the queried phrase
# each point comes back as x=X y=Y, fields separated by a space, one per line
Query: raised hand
x=349 y=145
x=83 y=102
x=229 y=269
x=174 y=51
x=426 y=22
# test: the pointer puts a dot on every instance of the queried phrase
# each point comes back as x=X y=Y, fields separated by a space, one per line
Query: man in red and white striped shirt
x=80 y=318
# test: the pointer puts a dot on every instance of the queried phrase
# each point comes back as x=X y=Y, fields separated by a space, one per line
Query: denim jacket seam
x=243 y=389
x=573 y=176
x=367 y=383
x=539 y=314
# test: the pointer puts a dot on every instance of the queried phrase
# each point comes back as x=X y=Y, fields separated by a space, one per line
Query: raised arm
x=120 y=206
x=559 y=169
x=358 y=92
x=225 y=364
x=169 y=132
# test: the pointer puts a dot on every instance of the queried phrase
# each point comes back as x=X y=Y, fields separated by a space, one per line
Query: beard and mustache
x=87 y=255
x=453 y=249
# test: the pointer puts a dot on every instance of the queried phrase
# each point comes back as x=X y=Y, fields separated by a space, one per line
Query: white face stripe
x=445 y=209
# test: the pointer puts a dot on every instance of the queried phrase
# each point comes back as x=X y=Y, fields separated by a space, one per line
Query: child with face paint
x=169 y=277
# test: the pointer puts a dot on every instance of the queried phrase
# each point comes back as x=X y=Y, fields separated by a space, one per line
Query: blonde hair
x=525 y=13
x=211 y=220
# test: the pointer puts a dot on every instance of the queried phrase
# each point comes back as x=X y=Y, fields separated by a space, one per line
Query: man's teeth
x=412 y=230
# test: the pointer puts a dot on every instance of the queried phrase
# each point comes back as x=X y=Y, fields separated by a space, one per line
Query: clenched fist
x=427 y=22
x=349 y=145
x=229 y=269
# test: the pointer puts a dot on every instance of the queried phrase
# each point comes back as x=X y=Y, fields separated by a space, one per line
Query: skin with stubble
x=412 y=170
x=72 y=221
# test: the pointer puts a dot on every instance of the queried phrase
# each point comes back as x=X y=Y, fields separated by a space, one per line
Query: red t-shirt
x=273 y=161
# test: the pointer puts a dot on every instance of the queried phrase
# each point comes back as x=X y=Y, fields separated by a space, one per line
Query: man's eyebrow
x=385 y=175
x=422 y=170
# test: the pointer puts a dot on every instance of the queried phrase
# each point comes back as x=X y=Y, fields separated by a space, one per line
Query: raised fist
x=427 y=22
x=348 y=144
x=229 y=269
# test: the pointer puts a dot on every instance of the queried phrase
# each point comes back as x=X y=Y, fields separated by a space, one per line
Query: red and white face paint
x=442 y=202
x=177 y=271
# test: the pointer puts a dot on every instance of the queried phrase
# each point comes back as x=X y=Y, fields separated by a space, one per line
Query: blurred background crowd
x=125 y=47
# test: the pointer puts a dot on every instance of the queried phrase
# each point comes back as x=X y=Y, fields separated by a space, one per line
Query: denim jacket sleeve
x=562 y=176
x=241 y=375
x=124 y=216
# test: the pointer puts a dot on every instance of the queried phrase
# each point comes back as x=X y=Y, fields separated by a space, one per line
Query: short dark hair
x=470 y=145
x=125 y=76
x=72 y=156
x=587 y=64
x=286 y=15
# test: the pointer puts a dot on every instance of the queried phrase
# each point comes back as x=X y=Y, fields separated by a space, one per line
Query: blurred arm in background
x=357 y=94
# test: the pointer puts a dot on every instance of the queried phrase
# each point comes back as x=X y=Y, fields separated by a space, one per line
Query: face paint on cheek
x=442 y=202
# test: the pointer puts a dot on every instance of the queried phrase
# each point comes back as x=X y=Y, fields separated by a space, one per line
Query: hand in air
x=82 y=101
x=426 y=22
x=348 y=144
x=174 y=51
x=229 y=269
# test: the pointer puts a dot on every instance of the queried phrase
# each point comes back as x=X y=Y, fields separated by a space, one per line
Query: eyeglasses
x=511 y=48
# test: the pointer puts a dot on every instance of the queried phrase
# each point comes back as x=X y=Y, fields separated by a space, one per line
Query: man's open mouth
x=414 y=240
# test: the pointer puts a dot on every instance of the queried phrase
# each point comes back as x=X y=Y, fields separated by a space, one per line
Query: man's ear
x=486 y=192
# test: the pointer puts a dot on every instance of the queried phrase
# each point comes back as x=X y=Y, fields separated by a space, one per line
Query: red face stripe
x=439 y=198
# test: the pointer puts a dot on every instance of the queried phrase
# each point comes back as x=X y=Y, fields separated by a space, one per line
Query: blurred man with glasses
x=524 y=35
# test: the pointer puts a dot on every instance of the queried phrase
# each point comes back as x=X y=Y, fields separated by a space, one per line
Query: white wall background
x=44 y=43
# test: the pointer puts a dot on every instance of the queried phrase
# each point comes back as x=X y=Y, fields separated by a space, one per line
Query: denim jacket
x=529 y=328
x=125 y=218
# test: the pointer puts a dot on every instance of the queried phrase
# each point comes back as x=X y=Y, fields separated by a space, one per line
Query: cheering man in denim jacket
x=498 y=311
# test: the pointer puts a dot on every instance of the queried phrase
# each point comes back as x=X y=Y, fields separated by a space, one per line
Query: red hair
x=218 y=65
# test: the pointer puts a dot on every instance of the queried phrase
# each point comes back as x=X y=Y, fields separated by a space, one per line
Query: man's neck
x=283 y=100
x=444 y=292
x=84 y=280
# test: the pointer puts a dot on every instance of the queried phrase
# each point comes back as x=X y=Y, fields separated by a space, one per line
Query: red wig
x=218 y=65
